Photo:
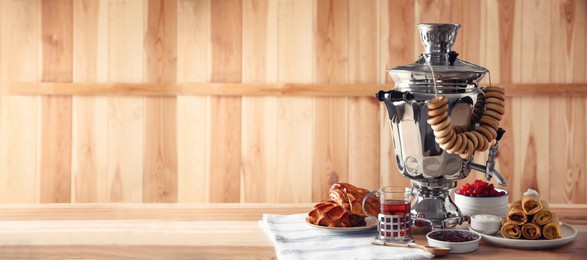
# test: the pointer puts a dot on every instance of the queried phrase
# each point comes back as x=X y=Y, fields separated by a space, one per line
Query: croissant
x=351 y=197
x=329 y=214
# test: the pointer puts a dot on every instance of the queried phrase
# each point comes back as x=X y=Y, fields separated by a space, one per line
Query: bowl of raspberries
x=480 y=197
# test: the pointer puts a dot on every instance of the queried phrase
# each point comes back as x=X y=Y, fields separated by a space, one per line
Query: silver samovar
x=433 y=171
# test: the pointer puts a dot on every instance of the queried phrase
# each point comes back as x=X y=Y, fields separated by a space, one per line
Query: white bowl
x=482 y=205
x=470 y=245
x=485 y=224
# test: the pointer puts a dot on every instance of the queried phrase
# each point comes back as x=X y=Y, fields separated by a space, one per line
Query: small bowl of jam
x=458 y=240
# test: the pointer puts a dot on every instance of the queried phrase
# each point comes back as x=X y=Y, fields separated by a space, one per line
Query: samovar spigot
x=489 y=168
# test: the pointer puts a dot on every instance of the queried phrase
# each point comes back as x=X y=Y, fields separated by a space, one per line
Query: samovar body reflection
x=433 y=171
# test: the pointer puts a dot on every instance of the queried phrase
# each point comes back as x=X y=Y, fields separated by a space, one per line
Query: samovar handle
x=394 y=95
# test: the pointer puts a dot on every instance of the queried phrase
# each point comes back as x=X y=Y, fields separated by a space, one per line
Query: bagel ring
x=493 y=114
x=490 y=121
x=495 y=107
x=438 y=111
x=437 y=102
x=494 y=95
x=437 y=119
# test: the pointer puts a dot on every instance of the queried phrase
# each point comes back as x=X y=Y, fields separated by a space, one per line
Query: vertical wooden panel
x=505 y=34
x=57 y=32
x=19 y=56
x=583 y=6
x=125 y=114
x=430 y=11
x=160 y=161
x=467 y=13
x=90 y=114
x=259 y=144
x=534 y=124
x=566 y=157
x=294 y=114
x=330 y=151
x=192 y=111
x=398 y=31
x=225 y=125
x=364 y=112
x=567 y=113
x=516 y=77
x=567 y=49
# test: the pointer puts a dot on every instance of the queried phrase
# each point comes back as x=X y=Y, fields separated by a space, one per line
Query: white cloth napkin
x=295 y=239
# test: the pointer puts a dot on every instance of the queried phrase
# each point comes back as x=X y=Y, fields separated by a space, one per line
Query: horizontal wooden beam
x=195 y=89
x=550 y=89
x=238 y=89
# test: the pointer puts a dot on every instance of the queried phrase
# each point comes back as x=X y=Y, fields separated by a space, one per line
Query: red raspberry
x=479 y=188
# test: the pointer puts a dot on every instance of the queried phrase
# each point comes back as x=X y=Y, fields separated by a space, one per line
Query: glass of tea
x=393 y=222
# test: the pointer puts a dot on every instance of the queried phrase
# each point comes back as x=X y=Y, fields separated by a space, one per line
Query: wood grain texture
x=429 y=11
x=330 y=147
x=225 y=118
x=259 y=144
x=294 y=114
x=266 y=101
x=209 y=231
x=364 y=146
x=19 y=116
x=567 y=113
x=535 y=124
x=192 y=111
x=90 y=114
x=56 y=114
x=126 y=118
x=468 y=13
x=160 y=178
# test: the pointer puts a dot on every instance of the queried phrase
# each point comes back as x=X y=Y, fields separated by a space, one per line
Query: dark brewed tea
x=395 y=207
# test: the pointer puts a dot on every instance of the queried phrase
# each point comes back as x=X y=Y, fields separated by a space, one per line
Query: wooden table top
x=209 y=231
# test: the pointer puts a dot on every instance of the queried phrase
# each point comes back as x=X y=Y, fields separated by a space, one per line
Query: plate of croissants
x=343 y=211
x=531 y=224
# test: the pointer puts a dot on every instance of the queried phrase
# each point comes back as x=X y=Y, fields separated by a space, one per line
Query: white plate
x=369 y=224
x=568 y=234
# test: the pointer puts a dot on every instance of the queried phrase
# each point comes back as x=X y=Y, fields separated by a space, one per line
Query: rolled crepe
x=531 y=231
x=510 y=230
x=531 y=203
x=544 y=216
x=552 y=230
x=516 y=214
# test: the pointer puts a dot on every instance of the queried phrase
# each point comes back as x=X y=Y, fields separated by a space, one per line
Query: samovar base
x=433 y=205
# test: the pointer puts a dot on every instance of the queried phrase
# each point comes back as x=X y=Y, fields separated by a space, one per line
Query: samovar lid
x=437 y=39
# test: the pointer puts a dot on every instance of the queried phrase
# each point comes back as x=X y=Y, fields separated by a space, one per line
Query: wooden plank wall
x=158 y=141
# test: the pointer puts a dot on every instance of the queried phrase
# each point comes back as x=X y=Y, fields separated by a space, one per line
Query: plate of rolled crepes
x=529 y=224
x=343 y=211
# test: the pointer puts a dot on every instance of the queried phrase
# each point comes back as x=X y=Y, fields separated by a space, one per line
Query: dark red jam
x=453 y=236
